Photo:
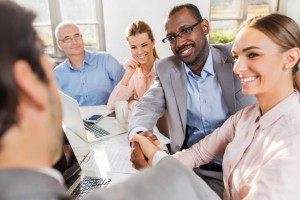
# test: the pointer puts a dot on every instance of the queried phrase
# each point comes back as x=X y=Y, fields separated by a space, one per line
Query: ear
x=32 y=89
x=205 y=26
x=58 y=43
x=292 y=57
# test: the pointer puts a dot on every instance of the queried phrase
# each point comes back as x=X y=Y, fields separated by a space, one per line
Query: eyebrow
x=249 y=48
x=246 y=49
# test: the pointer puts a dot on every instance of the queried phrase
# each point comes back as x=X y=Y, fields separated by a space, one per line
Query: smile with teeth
x=248 y=79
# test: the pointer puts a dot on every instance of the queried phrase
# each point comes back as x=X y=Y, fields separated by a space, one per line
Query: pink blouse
x=261 y=153
x=136 y=88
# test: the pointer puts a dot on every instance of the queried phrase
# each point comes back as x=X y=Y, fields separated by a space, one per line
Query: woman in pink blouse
x=261 y=143
x=139 y=74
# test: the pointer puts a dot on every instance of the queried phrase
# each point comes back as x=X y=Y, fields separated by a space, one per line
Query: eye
x=132 y=47
x=252 y=55
x=67 y=39
x=187 y=30
x=234 y=58
x=144 y=45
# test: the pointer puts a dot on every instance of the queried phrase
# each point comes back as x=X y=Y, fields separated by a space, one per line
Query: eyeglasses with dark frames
x=70 y=39
x=183 y=33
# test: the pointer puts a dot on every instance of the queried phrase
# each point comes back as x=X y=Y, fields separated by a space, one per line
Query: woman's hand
x=130 y=66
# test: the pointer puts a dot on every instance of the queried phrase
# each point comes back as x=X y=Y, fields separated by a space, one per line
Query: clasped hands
x=144 y=146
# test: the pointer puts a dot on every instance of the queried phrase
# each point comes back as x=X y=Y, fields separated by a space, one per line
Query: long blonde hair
x=283 y=31
x=139 y=27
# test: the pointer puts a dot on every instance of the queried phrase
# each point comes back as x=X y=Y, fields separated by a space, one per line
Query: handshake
x=144 y=145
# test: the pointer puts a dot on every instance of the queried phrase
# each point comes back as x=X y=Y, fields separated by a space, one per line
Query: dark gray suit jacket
x=169 y=93
x=168 y=180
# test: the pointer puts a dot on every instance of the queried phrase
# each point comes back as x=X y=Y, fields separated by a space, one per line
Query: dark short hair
x=191 y=7
x=18 y=41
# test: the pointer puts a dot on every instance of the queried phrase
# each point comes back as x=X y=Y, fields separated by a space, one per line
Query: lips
x=185 y=50
x=248 y=80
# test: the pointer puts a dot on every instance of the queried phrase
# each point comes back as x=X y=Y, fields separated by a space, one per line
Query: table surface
x=104 y=158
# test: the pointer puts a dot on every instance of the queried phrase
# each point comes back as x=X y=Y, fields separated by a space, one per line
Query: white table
x=105 y=158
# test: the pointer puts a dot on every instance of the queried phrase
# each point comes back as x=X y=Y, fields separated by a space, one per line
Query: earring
x=286 y=66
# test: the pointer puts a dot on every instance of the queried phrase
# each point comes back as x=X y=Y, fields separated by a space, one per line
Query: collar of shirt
x=141 y=75
x=53 y=173
x=207 y=70
x=276 y=112
x=86 y=61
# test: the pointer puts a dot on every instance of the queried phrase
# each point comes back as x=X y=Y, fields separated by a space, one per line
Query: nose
x=240 y=66
x=179 y=42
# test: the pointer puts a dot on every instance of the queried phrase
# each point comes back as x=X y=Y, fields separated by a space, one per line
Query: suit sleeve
x=150 y=107
x=169 y=179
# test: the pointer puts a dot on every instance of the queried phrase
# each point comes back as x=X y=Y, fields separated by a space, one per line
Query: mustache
x=179 y=49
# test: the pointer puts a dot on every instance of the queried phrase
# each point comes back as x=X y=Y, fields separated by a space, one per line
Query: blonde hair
x=139 y=27
x=283 y=31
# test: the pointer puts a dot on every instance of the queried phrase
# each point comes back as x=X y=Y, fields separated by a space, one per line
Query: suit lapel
x=225 y=78
x=178 y=81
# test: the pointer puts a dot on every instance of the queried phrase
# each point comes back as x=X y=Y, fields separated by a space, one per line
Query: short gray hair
x=62 y=25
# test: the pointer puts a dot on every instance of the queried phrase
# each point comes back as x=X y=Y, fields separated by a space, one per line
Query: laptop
x=78 y=185
x=72 y=119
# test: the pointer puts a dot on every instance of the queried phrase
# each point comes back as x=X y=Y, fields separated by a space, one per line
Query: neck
x=198 y=64
x=22 y=153
x=269 y=100
x=147 y=67
x=76 y=60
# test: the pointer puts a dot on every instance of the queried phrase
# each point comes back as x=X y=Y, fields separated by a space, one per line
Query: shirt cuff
x=135 y=130
x=158 y=156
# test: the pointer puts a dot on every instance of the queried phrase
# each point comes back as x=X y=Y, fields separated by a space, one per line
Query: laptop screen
x=68 y=164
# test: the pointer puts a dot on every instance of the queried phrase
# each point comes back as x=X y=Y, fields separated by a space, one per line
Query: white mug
x=121 y=109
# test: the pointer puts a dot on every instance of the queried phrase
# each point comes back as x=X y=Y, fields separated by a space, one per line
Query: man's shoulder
x=17 y=180
x=223 y=49
x=170 y=61
x=101 y=54
x=63 y=66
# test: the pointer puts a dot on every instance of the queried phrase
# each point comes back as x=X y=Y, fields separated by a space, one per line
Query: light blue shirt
x=93 y=83
x=206 y=108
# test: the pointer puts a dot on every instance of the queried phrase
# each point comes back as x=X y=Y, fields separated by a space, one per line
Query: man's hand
x=151 y=137
x=137 y=157
x=143 y=151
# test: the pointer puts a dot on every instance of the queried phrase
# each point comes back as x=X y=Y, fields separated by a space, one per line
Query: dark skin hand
x=137 y=157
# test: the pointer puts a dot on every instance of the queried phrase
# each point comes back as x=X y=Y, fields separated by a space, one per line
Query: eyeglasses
x=183 y=33
x=70 y=39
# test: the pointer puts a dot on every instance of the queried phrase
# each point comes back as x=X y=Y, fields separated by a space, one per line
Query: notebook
x=72 y=119
x=78 y=185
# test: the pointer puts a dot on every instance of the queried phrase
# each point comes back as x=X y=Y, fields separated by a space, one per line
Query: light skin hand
x=130 y=65
x=150 y=135
x=137 y=157
x=147 y=148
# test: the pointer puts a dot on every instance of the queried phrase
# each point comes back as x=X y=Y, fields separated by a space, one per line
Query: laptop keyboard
x=95 y=129
x=87 y=184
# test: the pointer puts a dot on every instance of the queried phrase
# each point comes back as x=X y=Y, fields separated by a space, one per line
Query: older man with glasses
x=89 y=77
x=196 y=88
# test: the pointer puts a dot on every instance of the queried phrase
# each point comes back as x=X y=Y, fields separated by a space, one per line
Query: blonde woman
x=139 y=73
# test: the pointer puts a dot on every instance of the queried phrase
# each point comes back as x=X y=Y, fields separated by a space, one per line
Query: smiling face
x=141 y=48
x=75 y=46
x=259 y=64
x=192 y=48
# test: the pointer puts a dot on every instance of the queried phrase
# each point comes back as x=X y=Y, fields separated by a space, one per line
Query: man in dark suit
x=196 y=87
x=30 y=128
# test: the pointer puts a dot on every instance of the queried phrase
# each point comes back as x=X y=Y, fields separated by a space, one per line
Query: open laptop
x=77 y=184
x=72 y=119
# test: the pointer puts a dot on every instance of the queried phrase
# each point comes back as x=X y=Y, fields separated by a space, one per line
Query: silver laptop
x=78 y=185
x=72 y=119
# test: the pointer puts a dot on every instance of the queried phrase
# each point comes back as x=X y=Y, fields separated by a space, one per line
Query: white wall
x=291 y=8
x=118 y=14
